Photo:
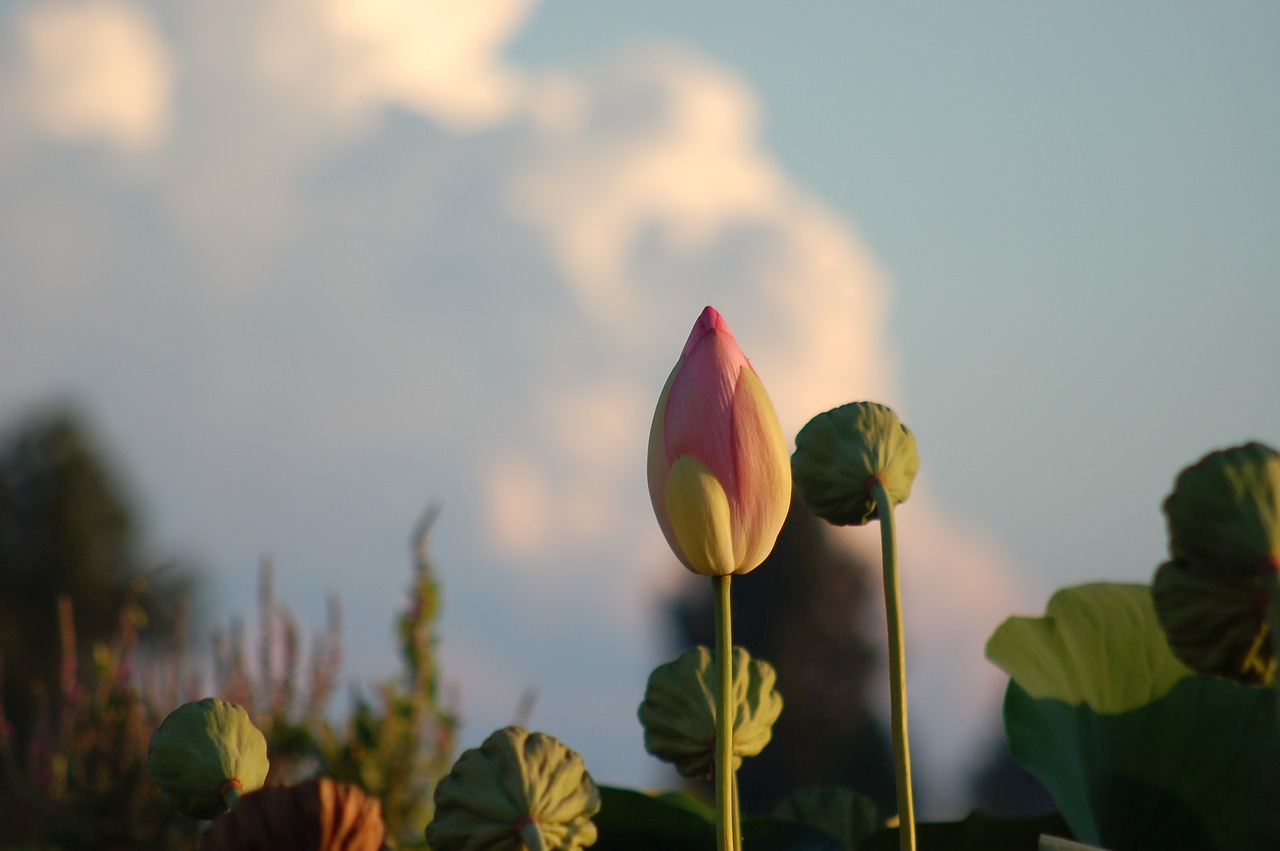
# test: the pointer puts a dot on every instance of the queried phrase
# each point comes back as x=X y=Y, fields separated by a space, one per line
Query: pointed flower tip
x=709 y=320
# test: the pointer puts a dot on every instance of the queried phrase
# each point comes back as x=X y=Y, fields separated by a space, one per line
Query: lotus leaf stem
x=727 y=831
x=897 y=666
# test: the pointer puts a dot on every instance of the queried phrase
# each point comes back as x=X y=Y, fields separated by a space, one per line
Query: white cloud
x=519 y=516
x=95 y=70
x=436 y=55
x=307 y=313
x=658 y=140
x=352 y=57
x=651 y=185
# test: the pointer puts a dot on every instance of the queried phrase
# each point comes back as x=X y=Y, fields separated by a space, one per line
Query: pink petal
x=709 y=320
x=659 y=464
x=698 y=417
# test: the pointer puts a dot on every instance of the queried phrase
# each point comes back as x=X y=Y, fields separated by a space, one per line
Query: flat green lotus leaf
x=1137 y=751
x=1199 y=768
x=630 y=820
x=1098 y=644
x=977 y=832
x=768 y=834
x=691 y=802
x=844 y=813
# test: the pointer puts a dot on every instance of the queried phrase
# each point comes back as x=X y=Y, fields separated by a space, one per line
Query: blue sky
x=1078 y=206
x=311 y=266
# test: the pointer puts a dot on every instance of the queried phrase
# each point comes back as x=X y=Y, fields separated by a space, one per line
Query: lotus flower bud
x=718 y=473
x=205 y=753
x=518 y=790
x=679 y=710
x=318 y=815
x=1224 y=544
x=839 y=452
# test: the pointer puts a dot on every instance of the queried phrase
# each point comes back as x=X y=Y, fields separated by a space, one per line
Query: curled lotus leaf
x=516 y=785
x=1213 y=595
x=317 y=815
x=679 y=709
x=1215 y=628
x=204 y=750
x=1224 y=514
x=838 y=453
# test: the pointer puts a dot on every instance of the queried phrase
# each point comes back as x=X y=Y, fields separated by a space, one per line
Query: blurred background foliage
x=68 y=529
x=94 y=652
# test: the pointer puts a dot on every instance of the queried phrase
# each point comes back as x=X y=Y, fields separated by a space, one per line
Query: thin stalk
x=727 y=831
x=737 y=815
x=897 y=665
x=1273 y=626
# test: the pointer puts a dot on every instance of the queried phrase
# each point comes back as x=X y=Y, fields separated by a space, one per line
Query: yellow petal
x=763 y=473
x=698 y=512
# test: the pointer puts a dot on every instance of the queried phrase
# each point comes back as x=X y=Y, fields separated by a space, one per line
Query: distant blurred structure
x=810 y=610
x=1002 y=787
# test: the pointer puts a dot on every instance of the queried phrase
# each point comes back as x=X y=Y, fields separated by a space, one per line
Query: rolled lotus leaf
x=1214 y=628
x=679 y=709
x=317 y=815
x=1213 y=595
x=517 y=790
x=1224 y=514
x=838 y=453
x=205 y=753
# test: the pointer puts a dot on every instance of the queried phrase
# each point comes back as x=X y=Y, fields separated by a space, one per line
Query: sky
x=310 y=267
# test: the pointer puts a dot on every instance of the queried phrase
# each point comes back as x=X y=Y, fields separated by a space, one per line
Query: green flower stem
x=727 y=832
x=897 y=667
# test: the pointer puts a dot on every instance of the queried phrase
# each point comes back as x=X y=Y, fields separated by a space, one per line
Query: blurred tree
x=810 y=611
x=66 y=528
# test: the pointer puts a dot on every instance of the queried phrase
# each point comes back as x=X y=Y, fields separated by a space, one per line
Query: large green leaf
x=1138 y=752
x=1195 y=769
x=673 y=821
x=844 y=813
x=634 y=820
x=977 y=832
x=1099 y=644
